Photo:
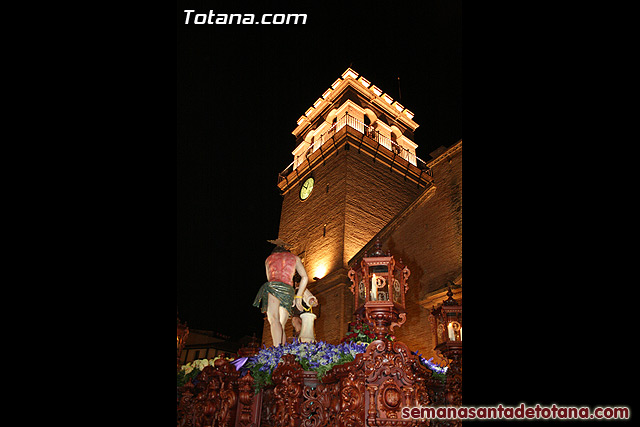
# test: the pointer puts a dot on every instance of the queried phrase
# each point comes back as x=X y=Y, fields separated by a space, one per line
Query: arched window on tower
x=368 y=128
x=394 y=143
x=332 y=129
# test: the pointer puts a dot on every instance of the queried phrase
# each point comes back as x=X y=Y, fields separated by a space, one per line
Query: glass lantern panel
x=398 y=287
x=454 y=331
x=397 y=298
x=441 y=333
x=361 y=293
x=378 y=269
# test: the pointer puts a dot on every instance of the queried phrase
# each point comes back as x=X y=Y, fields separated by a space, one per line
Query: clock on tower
x=305 y=191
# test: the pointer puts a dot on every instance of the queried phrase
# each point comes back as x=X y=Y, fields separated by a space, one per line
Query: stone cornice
x=350 y=79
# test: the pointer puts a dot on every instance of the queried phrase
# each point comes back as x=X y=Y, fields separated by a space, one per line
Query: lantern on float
x=447 y=320
x=448 y=326
x=379 y=285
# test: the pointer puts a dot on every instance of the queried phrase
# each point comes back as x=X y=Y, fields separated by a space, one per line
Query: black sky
x=240 y=90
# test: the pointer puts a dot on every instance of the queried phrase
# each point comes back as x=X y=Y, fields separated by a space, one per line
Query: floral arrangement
x=363 y=332
x=316 y=356
x=439 y=372
x=191 y=370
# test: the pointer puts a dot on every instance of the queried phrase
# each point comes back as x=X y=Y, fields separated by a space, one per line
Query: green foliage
x=184 y=377
x=360 y=331
x=323 y=369
x=261 y=378
x=439 y=376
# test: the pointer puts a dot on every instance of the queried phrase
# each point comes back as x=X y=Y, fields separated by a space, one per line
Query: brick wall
x=429 y=242
x=375 y=195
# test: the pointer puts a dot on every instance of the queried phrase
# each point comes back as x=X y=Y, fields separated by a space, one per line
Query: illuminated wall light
x=308 y=112
x=408 y=114
x=376 y=90
x=320 y=271
x=336 y=83
x=365 y=82
x=349 y=73
x=388 y=99
x=315 y=104
x=300 y=120
x=326 y=93
x=398 y=106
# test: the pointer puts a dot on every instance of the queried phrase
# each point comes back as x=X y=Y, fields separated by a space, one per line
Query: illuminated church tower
x=354 y=169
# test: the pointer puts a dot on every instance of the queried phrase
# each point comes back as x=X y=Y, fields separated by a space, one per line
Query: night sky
x=240 y=90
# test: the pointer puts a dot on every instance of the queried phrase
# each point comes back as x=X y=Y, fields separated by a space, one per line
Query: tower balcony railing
x=367 y=130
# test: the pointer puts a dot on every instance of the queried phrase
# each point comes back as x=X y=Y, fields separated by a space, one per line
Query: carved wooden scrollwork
x=248 y=403
x=318 y=407
x=288 y=381
x=352 y=401
x=268 y=411
x=394 y=380
x=185 y=405
x=352 y=275
x=402 y=317
x=390 y=399
x=211 y=400
x=369 y=391
x=406 y=273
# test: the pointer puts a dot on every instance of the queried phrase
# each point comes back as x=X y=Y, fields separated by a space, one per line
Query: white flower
x=200 y=363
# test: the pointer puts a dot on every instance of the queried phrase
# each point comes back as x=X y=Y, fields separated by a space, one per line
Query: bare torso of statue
x=276 y=297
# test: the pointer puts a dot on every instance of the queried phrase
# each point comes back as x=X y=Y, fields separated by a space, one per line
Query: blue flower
x=317 y=355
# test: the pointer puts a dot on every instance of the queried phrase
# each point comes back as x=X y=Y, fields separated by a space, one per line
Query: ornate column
x=183 y=333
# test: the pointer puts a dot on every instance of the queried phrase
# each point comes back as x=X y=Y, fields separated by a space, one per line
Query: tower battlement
x=355 y=102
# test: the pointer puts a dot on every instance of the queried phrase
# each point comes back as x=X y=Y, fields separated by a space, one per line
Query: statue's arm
x=304 y=279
